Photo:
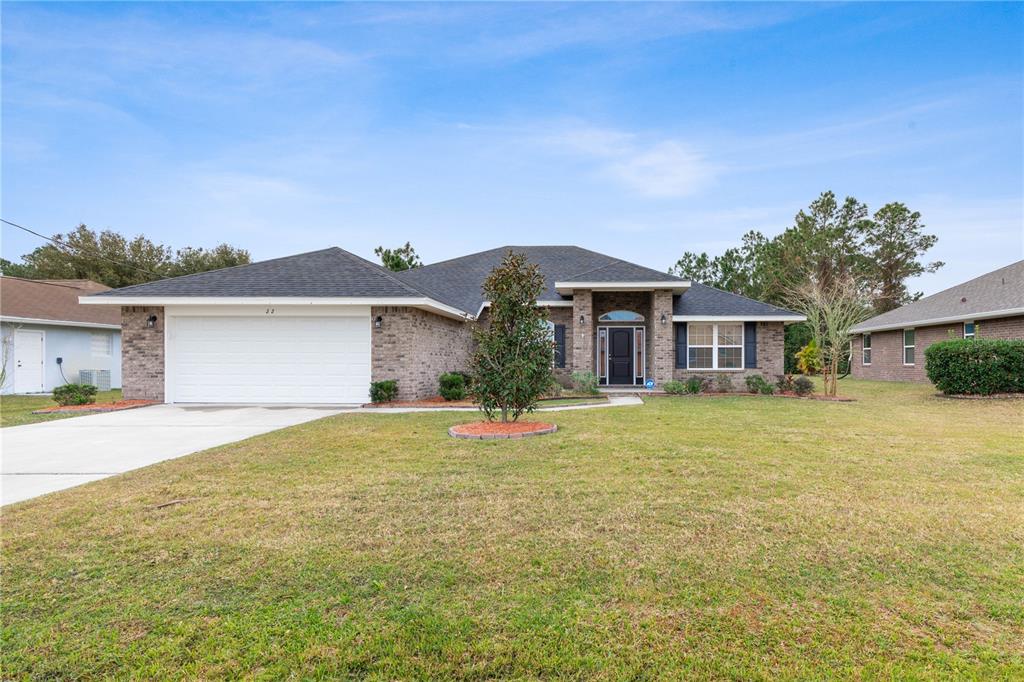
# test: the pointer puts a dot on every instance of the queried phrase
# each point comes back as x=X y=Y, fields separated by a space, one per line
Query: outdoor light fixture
x=151 y=321
x=377 y=321
x=663 y=318
x=581 y=319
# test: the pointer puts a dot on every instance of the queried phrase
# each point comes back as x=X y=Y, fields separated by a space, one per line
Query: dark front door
x=620 y=356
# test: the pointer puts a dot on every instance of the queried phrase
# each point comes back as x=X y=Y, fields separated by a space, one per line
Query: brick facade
x=771 y=342
x=142 y=353
x=887 y=347
x=416 y=347
x=564 y=316
x=661 y=355
x=582 y=335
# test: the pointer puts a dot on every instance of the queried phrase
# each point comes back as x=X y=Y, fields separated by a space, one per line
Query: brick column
x=583 y=334
x=142 y=353
x=662 y=358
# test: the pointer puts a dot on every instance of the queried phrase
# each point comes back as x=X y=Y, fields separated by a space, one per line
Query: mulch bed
x=438 y=401
x=730 y=394
x=115 y=406
x=500 y=430
x=994 y=396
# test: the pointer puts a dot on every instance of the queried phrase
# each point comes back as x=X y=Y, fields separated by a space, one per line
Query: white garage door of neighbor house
x=269 y=359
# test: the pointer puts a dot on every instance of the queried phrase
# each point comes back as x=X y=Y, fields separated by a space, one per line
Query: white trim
x=1009 y=312
x=963 y=329
x=739 y=318
x=42 y=360
x=608 y=355
x=540 y=304
x=674 y=285
x=413 y=302
x=903 y=337
x=714 y=348
x=58 y=323
x=863 y=348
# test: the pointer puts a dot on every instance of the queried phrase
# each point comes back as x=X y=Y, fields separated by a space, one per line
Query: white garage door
x=269 y=359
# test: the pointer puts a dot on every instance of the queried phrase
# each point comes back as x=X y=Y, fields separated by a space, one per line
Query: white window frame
x=974 y=331
x=865 y=349
x=906 y=346
x=107 y=351
x=715 y=346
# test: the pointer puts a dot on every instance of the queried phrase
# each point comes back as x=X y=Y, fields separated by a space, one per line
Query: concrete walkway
x=48 y=456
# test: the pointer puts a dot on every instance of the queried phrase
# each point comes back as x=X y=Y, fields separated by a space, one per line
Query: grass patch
x=16 y=410
x=737 y=538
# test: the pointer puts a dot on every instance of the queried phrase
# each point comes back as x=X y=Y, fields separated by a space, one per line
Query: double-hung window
x=866 y=350
x=968 y=330
x=715 y=346
x=908 y=346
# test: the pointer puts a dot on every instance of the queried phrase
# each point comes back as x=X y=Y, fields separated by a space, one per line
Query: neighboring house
x=891 y=346
x=42 y=320
x=320 y=326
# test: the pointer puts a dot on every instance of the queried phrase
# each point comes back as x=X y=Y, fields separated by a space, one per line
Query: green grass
x=16 y=410
x=738 y=538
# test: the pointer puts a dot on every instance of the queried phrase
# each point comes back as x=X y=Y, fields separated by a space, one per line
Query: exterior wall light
x=151 y=321
x=581 y=319
x=378 y=321
x=663 y=318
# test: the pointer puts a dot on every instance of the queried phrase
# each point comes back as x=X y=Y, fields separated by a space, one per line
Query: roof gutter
x=414 y=302
x=739 y=318
x=864 y=327
x=58 y=323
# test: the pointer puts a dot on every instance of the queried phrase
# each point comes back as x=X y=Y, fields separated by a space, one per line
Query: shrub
x=784 y=383
x=976 y=366
x=723 y=383
x=75 y=394
x=452 y=386
x=554 y=390
x=757 y=384
x=383 y=391
x=808 y=358
x=585 y=382
x=695 y=385
x=674 y=387
x=803 y=386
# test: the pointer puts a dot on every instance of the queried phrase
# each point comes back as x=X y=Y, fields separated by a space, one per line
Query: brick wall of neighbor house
x=416 y=347
x=887 y=347
x=770 y=362
x=142 y=353
x=583 y=335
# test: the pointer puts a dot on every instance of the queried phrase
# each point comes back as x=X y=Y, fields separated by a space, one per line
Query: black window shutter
x=680 y=345
x=750 y=345
x=559 y=345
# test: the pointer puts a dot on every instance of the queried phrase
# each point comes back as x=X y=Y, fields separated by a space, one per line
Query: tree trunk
x=504 y=413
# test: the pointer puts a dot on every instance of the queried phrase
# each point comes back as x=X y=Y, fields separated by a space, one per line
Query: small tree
x=512 y=363
x=398 y=259
x=832 y=309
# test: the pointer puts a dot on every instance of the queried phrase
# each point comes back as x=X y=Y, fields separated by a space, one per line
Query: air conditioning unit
x=100 y=378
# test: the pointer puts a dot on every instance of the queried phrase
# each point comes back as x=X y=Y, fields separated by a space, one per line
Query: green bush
x=383 y=391
x=757 y=384
x=976 y=366
x=585 y=382
x=674 y=387
x=723 y=383
x=784 y=383
x=695 y=385
x=75 y=394
x=452 y=386
x=803 y=386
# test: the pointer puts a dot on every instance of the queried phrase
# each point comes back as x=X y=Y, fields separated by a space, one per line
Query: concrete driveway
x=41 y=458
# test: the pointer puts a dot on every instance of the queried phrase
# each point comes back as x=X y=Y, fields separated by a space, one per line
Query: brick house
x=319 y=327
x=890 y=346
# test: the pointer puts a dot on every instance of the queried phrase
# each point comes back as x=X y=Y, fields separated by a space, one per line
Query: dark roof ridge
x=379 y=270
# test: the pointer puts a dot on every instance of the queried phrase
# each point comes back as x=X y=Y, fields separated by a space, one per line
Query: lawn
x=16 y=410
x=741 y=538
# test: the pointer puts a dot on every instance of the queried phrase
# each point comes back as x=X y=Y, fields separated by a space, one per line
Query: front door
x=28 y=361
x=620 y=355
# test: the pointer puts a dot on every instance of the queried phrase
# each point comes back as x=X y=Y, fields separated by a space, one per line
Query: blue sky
x=633 y=129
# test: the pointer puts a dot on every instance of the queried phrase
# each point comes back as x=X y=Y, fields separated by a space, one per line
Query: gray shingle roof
x=330 y=272
x=996 y=291
x=701 y=299
x=458 y=281
x=336 y=273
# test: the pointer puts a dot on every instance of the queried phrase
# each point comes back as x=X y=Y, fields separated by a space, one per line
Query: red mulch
x=436 y=401
x=500 y=428
x=97 y=407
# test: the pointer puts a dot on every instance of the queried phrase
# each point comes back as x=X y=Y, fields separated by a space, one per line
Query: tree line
x=112 y=259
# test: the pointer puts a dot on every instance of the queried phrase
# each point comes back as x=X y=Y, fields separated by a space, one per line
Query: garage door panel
x=270 y=359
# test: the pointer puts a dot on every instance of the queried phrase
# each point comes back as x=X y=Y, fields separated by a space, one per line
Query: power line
x=92 y=255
